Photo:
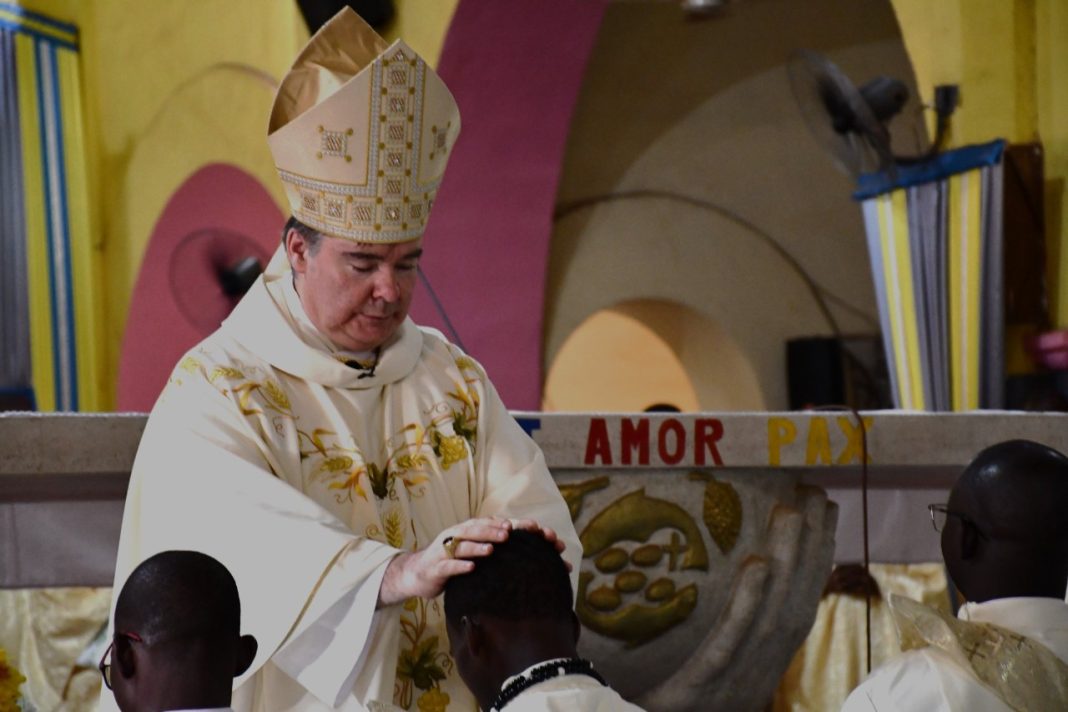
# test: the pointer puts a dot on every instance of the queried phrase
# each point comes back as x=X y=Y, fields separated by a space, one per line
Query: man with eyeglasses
x=1005 y=545
x=177 y=642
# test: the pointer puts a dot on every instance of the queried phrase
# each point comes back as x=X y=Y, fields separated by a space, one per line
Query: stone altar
x=707 y=537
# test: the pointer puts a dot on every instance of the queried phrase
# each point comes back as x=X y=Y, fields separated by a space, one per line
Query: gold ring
x=450 y=543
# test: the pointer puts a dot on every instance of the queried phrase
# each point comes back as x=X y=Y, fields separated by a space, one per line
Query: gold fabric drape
x=832 y=660
x=44 y=631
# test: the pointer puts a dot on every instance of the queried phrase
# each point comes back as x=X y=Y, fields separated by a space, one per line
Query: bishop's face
x=356 y=293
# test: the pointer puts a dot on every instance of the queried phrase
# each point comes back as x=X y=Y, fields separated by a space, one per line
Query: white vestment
x=568 y=693
x=305 y=477
x=930 y=679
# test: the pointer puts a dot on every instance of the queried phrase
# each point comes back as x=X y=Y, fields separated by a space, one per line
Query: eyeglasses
x=939 y=513
x=105 y=667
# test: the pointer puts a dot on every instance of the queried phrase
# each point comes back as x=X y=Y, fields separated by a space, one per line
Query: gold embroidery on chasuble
x=424 y=662
x=424 y=666
x=400 y=489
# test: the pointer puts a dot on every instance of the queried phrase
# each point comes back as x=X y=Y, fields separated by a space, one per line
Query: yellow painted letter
x=852 y=431
x=819 y=443
x=781 y=431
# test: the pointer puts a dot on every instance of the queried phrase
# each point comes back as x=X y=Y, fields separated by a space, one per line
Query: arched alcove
x=642 y=352
x=691 y=178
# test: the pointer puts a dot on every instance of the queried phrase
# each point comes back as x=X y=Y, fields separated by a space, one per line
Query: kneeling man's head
x=515 y=609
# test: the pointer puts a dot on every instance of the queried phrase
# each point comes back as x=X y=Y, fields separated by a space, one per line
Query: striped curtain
x=935 y=242
x=49 y=261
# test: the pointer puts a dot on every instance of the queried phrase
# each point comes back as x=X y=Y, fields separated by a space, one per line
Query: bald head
x=177 y=642
x=179 y=594
x=1007 y=534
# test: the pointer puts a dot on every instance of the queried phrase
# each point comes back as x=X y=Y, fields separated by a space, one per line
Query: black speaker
x=849 y=371
x=17 y=399
x=814 y=374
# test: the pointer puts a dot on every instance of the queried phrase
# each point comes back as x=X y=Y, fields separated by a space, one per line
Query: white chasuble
x=305 y=477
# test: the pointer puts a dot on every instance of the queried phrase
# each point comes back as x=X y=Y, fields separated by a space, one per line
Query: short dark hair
x=312 y=236
x=524 y=578
x=180 y=595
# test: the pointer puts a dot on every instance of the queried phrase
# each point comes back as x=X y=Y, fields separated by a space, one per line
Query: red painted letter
x=709 y=430
x=597 y=444
x=680 y=441
x=635 y=435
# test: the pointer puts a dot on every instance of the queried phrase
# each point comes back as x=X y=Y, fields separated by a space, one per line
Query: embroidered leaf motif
x=226 y=371
x=189 y=364
x=315 y=440
x=419 y=664
x=352 y=482
x=410 y=462
x=411 y=481
x=341 y=463
x=379 y=480
x=394 y=530
x=244 y=395
x=468 y=398
x=459 y=426
x=276 y=395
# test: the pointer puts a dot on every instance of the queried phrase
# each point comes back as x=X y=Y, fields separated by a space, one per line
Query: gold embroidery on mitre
x=334 y=143
x=361 y=140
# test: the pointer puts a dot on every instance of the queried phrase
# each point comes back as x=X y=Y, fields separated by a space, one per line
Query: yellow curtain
x=63 y=257
x=832 y=660
x=935 y=242
x=44 y=632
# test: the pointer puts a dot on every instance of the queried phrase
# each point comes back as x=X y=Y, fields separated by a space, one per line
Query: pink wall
x=218 y=216
x=515 y=69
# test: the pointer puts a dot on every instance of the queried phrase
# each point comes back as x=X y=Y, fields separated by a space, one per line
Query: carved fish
x=636 y=517
x=574 y=494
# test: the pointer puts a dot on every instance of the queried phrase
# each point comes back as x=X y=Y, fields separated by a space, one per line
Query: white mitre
x=361 y=132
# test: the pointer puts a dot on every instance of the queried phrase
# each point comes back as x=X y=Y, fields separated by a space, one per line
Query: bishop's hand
x=423 y=573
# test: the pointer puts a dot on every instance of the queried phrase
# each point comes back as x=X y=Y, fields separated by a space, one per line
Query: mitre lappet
x=361 y=131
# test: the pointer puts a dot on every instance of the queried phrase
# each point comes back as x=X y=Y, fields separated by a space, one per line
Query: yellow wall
x=1010 y=58
x=1051 y=82
x=422 y=24
x=169 y=87
x=143 y=65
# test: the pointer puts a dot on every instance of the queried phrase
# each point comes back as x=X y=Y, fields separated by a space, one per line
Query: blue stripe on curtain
x=64 y=276
x=7 y=24
x=43 y=19
x=64 y=353
x=941 y=166
x=15 y=369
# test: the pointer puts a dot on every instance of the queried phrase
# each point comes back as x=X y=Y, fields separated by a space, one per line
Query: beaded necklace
x=541 y=673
